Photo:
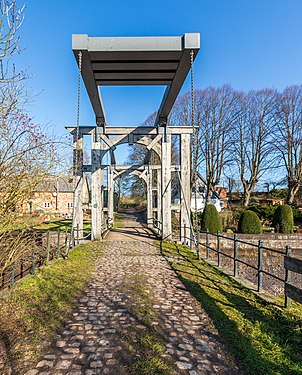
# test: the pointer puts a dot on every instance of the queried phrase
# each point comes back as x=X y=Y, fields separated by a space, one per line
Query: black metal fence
x=42 y=248
x=270 y=269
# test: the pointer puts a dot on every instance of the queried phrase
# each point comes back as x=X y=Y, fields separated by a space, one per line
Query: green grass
x=145 y=347
x=262 y=337
x=63 y=225
x=39 y=304
x=118 y=221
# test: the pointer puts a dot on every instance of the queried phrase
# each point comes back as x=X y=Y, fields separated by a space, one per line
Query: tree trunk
x=292 y=191
x=246 y=197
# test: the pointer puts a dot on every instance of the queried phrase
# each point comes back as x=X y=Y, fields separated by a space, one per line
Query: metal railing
x=45 y=246
x=253 y=256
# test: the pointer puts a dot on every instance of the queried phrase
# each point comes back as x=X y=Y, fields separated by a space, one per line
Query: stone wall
x=271 y=240
x=46 y=202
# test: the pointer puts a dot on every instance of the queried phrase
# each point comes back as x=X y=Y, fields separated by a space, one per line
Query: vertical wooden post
x=218 y=249
x=235 y=255
x=148 y=181
x=159 y=197
x=288 y=276
x=97 y=181
x=166 y=185
x=260 y=253
x=110 y=197
x=185 y=191
x=78 y=181
x=78 y=235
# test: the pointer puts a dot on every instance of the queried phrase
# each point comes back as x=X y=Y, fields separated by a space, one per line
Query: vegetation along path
x=135 y=317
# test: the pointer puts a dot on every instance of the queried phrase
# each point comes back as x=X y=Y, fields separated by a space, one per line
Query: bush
x=264 y=212
x=210 y=219
x=249 y=223
x=283 y=220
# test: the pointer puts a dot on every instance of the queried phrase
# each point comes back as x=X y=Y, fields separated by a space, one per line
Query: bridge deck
x=133 y=229
x=135 y=317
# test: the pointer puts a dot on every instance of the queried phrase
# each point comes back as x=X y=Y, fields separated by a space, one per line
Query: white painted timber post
x=149 y=197
x=185 y=194
x=97 y=180
x=159 y=193
x=78 y=184
x=166 y=186
x=110 y=196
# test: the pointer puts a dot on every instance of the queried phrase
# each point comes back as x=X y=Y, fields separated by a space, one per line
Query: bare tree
x=288 y=138
x=216 y=112
x=27 y=153
x=251 y=138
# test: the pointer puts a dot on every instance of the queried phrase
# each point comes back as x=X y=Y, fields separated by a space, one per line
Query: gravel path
x=133 y=294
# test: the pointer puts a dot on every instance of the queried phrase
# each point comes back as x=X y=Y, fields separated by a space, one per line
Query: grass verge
x=118 y=221
x=263 y=338
x=39 y=305
x=146 y=347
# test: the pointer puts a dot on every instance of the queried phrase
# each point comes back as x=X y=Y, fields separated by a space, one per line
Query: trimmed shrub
x=210 y=219
x=249 y=223
x=264 y=212
x=283 y=220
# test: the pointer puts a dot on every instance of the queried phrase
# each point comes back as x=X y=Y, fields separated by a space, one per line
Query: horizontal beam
x=136 y=82
x=135 y=130
x=145 y=76
x=134 y=65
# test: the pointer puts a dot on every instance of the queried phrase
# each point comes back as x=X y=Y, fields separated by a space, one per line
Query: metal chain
x=75 y=150
x=195 y=145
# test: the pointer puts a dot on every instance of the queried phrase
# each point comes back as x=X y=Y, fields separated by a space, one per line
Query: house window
x=69 y=204
x=46 y=204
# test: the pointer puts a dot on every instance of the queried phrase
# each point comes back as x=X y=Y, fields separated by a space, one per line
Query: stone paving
x=94 y=341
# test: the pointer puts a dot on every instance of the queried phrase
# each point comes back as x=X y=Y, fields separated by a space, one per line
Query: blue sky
x=249 y=44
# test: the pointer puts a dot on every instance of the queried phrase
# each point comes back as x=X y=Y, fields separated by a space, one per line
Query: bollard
x=260 y=256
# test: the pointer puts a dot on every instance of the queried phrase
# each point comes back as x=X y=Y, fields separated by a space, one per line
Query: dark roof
x=51 y=184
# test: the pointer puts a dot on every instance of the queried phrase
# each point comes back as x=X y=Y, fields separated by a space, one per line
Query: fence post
x=33 y=262
x=235 y=255
x=260 y=253
x=59 y=240
x=78 y=230
x=218 y=248
x=21 y=269
x=47 y=246
x=288 y=276
x=207 y=244
x=12 y=277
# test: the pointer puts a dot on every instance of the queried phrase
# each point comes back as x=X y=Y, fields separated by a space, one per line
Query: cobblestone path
x=133 y=298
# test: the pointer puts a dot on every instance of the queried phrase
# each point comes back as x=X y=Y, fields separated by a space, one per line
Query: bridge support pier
x=166 y=186
x=185 y=191
x=110 y=196
x=78 y=183
x=97 y=181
